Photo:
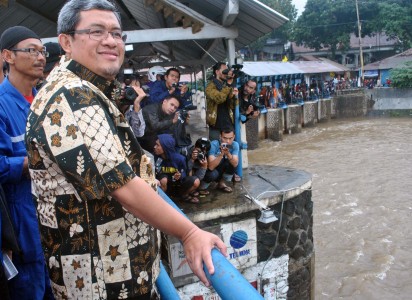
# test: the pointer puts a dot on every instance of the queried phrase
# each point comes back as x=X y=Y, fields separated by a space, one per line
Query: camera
x=224 y=145
x=184 y=113
x=129 y=96
x=176 y=85
x=201 y=156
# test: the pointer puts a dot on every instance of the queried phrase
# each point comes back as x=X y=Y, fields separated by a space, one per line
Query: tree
x=402 y=76
x=329 y=23
x=283 y=33
x=394 y=17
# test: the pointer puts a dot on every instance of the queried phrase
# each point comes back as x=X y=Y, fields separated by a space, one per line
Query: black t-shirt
x=223 y=118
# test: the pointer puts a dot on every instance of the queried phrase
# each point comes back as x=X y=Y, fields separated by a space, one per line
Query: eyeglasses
x=32 y=51
x=102 y=34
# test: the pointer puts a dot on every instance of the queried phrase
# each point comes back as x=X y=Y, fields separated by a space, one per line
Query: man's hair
x=217 y=67
x=251 y=80
x=227 y=130
x=69 y=15
x=172 y=69
x=172 y=97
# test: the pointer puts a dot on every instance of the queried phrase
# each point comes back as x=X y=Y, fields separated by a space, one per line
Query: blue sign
x=238 y=239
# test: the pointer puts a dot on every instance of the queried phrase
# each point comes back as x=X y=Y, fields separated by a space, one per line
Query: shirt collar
x=106 y=86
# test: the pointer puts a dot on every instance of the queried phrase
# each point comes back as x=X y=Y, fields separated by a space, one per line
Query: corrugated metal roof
x=390 y=62
x=253 y=21
x=270 y=68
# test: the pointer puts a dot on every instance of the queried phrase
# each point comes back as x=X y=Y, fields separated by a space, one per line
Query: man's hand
x=198 y=245
x=203 y=163
x=235 y=91
x=249 y=109
x=177 y=175
x=183 y=89
x=255 y=114
x=140 y=95
x=195 y=152
x=176 y=117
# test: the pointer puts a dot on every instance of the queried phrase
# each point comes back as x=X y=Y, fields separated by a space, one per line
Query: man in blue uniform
x=22 y=49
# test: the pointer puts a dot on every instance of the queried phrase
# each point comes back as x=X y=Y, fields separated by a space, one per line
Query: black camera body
x=257 y=105
x=184 y=113
x=129 y=96
x=201 y=156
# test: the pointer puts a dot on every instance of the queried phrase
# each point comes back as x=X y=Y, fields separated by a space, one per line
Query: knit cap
x=14 y=35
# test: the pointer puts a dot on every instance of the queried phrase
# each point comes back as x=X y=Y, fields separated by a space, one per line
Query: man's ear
x=7 y=57
x=65 y=43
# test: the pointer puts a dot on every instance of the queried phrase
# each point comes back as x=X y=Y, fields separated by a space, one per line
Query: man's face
x=227 y=137
x=158 y=149
x=219 y=73
x=170 y=106
x=27 y=64
x=249 y=88
x=173 y=77
x=103 y=57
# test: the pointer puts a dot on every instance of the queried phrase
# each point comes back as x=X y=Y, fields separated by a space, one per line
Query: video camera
x=236 y=69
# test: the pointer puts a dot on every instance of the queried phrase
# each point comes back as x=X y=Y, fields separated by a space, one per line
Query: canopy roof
x=163 y=32
x=270 y=68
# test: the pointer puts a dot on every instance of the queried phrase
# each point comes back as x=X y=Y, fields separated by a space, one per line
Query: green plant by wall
x=402 y=76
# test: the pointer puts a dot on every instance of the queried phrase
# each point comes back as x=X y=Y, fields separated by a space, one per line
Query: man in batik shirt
x=90 y=176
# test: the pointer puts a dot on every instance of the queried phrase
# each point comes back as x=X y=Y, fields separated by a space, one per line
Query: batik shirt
x=81 y=149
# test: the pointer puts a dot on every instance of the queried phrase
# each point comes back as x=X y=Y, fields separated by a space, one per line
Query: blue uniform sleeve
x=11 y=168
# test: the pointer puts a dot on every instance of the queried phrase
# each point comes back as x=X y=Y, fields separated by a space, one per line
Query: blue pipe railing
x=227 y=281
x=238 y=138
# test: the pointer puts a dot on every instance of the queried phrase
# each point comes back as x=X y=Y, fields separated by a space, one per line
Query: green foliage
x=286 y=8
x=329 y=23
x=402 y=76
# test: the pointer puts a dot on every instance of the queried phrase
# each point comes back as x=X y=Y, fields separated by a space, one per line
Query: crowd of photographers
x=157 y=107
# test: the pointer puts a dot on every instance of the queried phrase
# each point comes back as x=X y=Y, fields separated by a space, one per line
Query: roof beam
x=230 y=13
x=174 y=34
x=179 y=34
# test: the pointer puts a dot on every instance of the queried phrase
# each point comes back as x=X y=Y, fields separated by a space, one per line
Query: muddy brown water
x=362 y=175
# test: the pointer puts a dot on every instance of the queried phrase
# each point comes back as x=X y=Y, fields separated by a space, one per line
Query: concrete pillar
x=293 y=119
x=231 y=49
x=274 y=124
x=356 y=60
x=309 y=113
x=344 y=59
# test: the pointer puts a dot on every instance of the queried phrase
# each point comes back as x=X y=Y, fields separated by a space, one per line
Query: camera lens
x=200 y=156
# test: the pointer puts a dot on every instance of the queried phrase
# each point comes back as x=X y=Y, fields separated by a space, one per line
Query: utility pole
x=360 y=44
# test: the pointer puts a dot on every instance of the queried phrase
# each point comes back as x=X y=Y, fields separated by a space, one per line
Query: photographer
x=133 y=114
x=159 y=118
x=221 y=99
x=170 y=86
x=197 y=163
x=171 y=170
x=223 y=158
x=249 y=106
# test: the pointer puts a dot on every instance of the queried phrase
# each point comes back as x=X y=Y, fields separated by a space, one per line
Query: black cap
x=54 y=51
x=14 y=35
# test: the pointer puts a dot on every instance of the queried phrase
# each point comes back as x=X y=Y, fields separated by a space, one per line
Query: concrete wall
x=390 y=98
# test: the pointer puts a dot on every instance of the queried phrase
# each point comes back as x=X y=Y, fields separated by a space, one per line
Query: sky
x=300 y=5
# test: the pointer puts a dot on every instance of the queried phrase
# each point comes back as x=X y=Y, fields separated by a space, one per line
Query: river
x=362 y=174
